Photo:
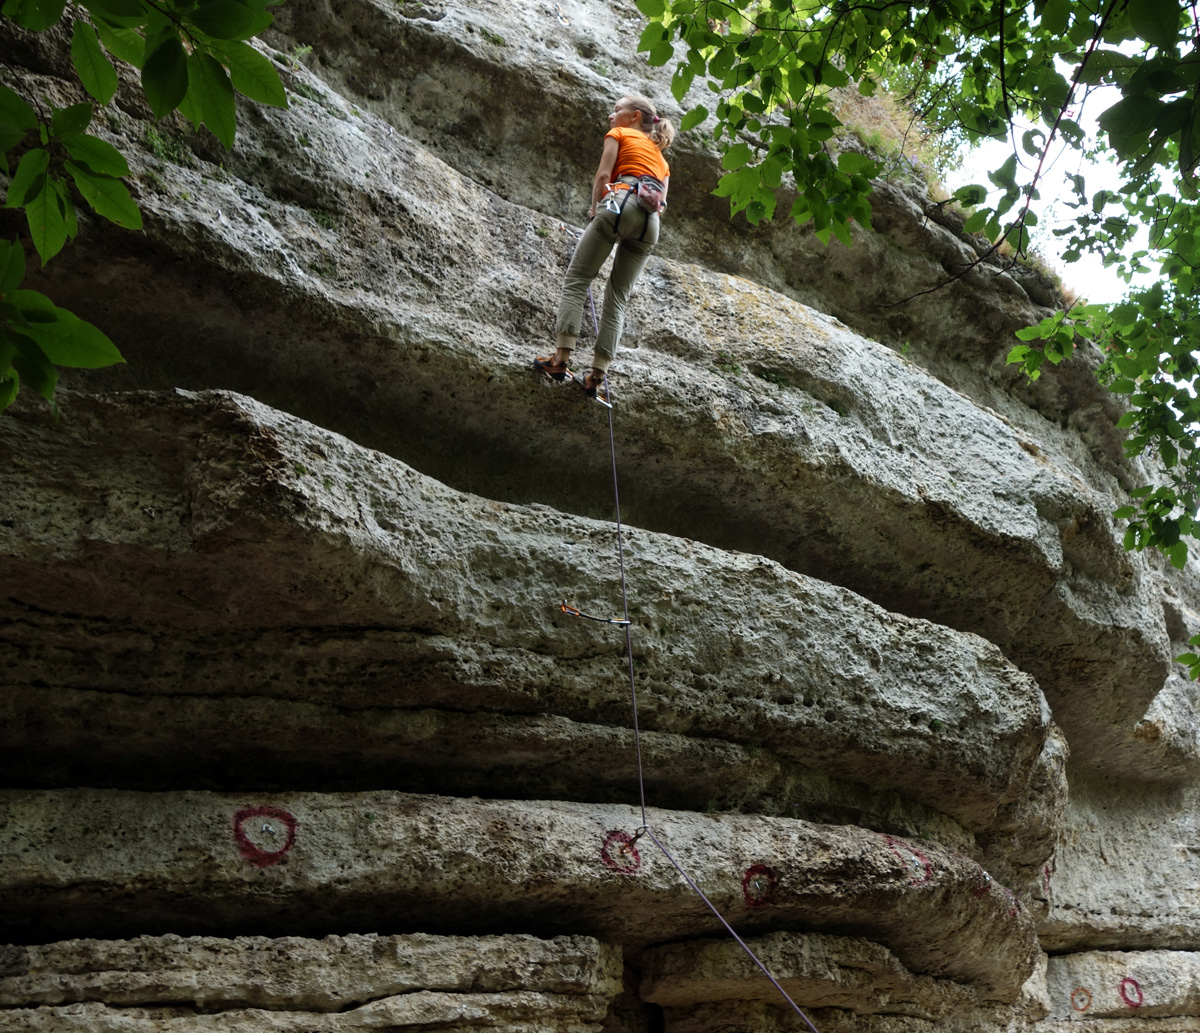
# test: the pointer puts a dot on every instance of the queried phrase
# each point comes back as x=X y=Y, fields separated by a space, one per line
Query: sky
x=1087 y=276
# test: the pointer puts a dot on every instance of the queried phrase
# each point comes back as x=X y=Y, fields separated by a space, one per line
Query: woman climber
x=624 y=212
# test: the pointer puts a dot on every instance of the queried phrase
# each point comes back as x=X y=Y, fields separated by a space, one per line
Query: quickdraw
x=620 y=622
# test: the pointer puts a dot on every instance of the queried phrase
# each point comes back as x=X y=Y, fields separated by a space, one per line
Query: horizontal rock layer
x=1126 y=871
x=296 y=974
x=1123 y=984
x=108 y=863
x=821 y=971
x=516 y=1012
x=173 y=531
x=115 y=739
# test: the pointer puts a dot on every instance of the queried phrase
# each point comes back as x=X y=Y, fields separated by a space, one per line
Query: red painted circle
x=758 y=885
x=619 y=853
x=1081 y=998
x=1131 y=992
x=915 y=859
x=253 y=853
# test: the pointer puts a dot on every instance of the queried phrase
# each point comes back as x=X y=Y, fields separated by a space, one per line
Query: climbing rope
x=644 y=829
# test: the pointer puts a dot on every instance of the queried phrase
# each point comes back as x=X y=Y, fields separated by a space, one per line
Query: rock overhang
x=205 y=520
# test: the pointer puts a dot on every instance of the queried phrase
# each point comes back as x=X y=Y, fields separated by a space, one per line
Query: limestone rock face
x=264 y=520
x=914 y=497
x=295 y=733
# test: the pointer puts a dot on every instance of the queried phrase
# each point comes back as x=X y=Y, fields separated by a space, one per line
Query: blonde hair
x=658 y=129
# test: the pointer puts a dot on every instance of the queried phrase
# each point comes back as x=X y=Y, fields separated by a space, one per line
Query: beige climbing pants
x=634 y=232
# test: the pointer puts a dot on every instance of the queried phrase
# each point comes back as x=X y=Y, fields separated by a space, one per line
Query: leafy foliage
x=192 y=56
x=991 y=66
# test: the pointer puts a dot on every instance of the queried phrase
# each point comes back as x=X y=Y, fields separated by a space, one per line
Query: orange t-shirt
x=637 y=155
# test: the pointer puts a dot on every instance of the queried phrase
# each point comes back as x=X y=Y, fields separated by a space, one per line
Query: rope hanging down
x=625 y=622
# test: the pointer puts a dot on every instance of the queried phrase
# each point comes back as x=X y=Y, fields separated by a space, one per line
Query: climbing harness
x=651 y=200
x=627 y=847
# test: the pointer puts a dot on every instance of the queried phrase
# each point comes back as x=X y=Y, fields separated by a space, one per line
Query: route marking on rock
x=985 y=884
x=1081 y=998
x=258 y=855
x=758 y=885
x=619 y=853
x=910 y=856
x=1131 y=992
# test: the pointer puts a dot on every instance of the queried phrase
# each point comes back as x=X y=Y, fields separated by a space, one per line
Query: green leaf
x=971 y=195
x=33 y=366
x=1191 y=659
x=230 y=19
x=652 y=8
x=737 y=156
x=165 y=76
x=126 y=13
x=1055 y=17
x=1129 y=121
x=1177 y=554
x=124 y=44
x=652 y=35
x=681 y=81
x=253 y=75
x=1156 y=21
x=852 y=163
x=96 y=154
x=29 y=178
x=1031 y=333
x=976 y=222
x=66 y=206
x=209 y=88
x=661 y=53
x=1107 y=62
x=720 y=64
x=92 y=66
x=189 y=108
x=12 y=265
x=108 y=197
x=35 y=15
x=63 y=337
x=70 y=120
x=14 y=111
x=693 y=118
x=10 y=384
x=47 y=223
x=1006 y=174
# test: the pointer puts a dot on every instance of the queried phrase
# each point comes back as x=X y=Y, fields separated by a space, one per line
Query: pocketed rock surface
x=264 y=517
x=294 y=733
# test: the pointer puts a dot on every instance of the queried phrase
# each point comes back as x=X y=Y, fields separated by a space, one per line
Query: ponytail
x=662 y=133
x=658 y=129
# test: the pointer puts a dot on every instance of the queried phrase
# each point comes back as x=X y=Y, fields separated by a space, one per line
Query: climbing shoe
x=554 y=370
x=594 y=386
